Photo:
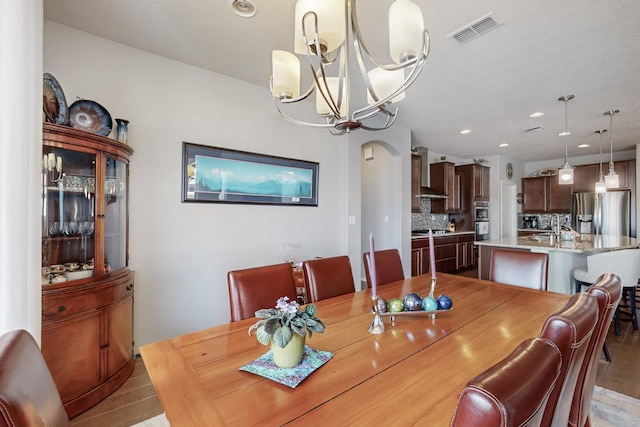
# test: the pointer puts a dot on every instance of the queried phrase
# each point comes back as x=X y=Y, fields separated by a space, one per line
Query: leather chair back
x=519 y=268
x=513 y=392
x=570 y=329
x=388 y=266
x=255 y=288
x=328 y=277
x=607 y=291
x=28 y=395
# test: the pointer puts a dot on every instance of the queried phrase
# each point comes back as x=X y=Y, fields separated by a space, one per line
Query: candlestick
x=59 y=164
x=432 y=256
x=372 y=273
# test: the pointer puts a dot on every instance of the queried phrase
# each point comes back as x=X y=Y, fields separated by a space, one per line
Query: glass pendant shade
x=406 y=29
x=286 y=74
x=331 y=25
x=321 y=105
x=565 y=174
x=384 y=83
x=611 y=180
x=601 y=186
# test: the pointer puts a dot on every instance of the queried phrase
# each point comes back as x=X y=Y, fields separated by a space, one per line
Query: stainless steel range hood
x=426 y=191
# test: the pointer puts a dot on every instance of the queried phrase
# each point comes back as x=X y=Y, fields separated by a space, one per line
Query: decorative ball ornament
x=395 y=305
x=429 y=304
x=412 y=302
x=382 y=305
x=444 y=302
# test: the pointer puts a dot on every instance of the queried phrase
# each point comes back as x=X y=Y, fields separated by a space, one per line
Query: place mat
x=291 y=377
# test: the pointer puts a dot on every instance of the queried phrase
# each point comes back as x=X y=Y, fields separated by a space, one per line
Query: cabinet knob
x=103 y=346
x=130 y=287
x=60 y=310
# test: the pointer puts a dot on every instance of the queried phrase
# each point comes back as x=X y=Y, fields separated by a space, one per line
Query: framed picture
x=221 y=175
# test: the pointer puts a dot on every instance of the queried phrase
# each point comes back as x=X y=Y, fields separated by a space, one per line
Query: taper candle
x=59 y=164
x=372 y=273
x=432 y=256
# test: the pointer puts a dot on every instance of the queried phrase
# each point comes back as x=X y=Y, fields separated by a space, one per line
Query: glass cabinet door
x=115 y=215
x=68 y=215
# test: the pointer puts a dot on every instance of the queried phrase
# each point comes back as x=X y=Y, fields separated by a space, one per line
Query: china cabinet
x=87 y=287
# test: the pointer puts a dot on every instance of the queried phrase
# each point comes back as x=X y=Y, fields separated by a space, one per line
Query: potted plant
x=286 y=327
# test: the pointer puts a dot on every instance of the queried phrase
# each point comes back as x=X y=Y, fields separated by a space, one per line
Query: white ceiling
x=544 y=49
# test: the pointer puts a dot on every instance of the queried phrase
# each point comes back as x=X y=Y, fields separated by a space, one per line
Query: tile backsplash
x=544 y=220
x=425 y=219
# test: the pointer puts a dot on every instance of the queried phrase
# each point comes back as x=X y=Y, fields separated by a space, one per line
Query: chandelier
x=565 y=173
x=327 y=34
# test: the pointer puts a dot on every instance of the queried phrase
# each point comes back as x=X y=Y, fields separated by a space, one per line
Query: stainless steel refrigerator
x=602 y=213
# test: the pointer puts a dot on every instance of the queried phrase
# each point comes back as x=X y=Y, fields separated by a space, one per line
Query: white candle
x=52 y=161
x=45 y=162
x=432 y=256
x=372 y=273
x=59 y=165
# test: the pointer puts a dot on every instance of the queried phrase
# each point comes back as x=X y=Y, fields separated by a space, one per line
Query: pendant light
x=565 y=173
x=611 y=179
x=601 y=186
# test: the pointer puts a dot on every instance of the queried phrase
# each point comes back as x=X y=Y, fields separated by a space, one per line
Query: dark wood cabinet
x=481 y=183
x=444 y=179
x=87 y=287
x=452 y=253
x=585 y=177
x=544 y=194
x=416 y=182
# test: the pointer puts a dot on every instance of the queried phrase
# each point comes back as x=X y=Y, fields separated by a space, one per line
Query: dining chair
x=570 y=329
x=388 y=266
x=28 y=394
x=255 y=288
x=514 y=391
x=607 y=291
x=519 y=268
x=625 y=264
x=328 y=277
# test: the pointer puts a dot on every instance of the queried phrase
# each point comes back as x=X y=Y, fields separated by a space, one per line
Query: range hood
x=426 y=191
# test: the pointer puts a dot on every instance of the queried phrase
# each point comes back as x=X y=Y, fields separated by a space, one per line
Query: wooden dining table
x=411 y=374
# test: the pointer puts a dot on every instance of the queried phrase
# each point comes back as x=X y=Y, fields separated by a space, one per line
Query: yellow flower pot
x=291 y=354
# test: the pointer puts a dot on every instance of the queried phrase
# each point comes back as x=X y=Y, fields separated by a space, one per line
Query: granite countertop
x=426 y=235
x=584 y=243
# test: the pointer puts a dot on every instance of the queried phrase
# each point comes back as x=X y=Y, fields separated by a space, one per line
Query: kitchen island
x=564 y=255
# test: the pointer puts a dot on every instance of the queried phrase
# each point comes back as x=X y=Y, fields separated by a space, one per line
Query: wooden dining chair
x=28 y=395
x=519 y=268
x=328 y=277
x=513 y=392
x=607 y=291
x=570 y=329
x=255 y=288
x=388 y=266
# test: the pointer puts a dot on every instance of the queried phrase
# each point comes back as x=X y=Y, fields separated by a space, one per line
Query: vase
x=122 y=130
x=291 y=354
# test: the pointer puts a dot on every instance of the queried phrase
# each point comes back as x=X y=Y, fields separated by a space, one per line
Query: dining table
x=410 y=374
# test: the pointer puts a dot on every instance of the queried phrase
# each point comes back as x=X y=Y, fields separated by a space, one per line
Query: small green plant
x=280 y=323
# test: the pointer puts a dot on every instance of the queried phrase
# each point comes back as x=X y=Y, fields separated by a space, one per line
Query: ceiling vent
x=534 y=129
x=475 y=29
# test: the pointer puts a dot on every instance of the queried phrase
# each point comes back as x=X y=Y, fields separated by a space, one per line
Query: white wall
x=181 y=252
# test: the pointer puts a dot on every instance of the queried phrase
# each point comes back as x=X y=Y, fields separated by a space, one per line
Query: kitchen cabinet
x=585 y=177
x=475 y=182
x=544 y=194
x=452 y=253
x=445 y=180
x=87 y=287
x=416 y=182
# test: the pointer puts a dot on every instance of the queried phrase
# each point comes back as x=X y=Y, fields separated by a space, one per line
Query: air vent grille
x=475 y=29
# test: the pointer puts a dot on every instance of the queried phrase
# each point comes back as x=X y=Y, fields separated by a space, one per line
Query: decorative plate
x=54 y=103
x=91 y=117
x=548 y=172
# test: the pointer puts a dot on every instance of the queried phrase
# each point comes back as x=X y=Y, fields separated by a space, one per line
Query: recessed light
x=564 y=133
x=583 y=145
x=464 y=131
x=243 y=8
x=536 y=114
x=504 y=144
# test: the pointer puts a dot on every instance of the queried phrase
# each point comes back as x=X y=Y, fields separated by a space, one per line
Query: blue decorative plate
x=91 y=117
x=54 y=103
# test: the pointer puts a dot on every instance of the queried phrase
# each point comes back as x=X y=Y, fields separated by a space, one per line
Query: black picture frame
x=223 y=175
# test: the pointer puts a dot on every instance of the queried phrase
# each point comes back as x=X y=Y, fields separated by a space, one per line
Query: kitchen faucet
x=556 y=226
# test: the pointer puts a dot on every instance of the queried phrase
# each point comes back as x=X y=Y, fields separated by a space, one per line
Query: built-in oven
x=481 y=220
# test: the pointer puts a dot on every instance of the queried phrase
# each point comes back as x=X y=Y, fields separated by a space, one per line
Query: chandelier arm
x=391 y=118
x=291 y=100
x=299 y=122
